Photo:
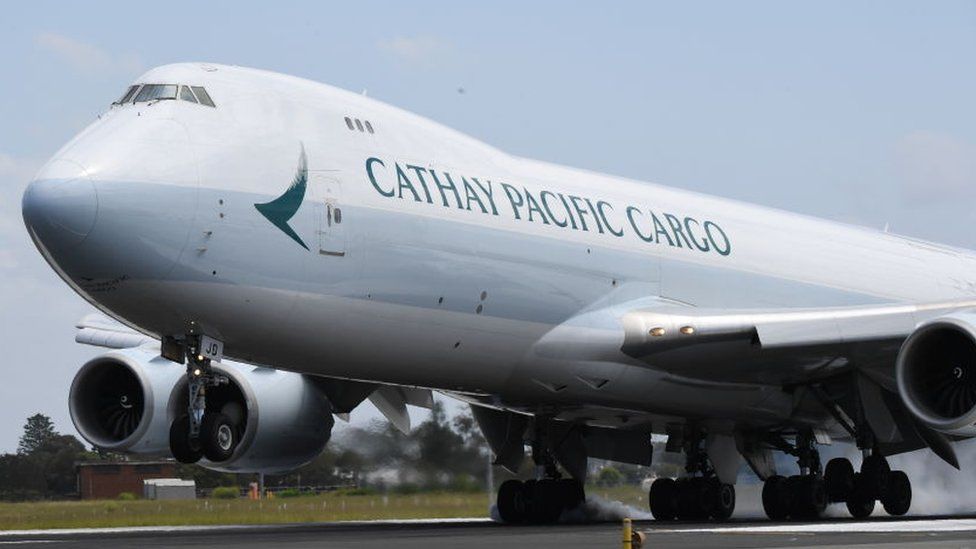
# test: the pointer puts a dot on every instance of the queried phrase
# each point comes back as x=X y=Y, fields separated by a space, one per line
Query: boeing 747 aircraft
x=269 y=252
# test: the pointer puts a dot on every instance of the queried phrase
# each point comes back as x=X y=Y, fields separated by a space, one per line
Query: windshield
x=154 y=92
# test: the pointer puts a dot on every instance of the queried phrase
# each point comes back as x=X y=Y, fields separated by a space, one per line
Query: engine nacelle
x=125 y=401
x=936 y=373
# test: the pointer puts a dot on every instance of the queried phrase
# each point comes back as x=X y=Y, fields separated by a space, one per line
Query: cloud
x=935 y=167
x=417 y=50
x=85 y=57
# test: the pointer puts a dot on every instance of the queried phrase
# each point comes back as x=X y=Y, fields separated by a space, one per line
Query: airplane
x=267 y=252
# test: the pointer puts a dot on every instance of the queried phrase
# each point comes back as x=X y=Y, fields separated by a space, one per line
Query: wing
x=101 y=331
x=777 y=346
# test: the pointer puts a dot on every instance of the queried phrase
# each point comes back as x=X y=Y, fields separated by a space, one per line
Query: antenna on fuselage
x=364 y=92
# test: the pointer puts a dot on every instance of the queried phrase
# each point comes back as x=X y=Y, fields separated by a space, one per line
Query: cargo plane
x=268 y=252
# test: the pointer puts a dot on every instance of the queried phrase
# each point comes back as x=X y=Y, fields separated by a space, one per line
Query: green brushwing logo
x=280 y=210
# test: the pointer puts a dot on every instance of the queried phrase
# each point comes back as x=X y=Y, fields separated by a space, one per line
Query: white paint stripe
x=230 y=527
x=941 y=525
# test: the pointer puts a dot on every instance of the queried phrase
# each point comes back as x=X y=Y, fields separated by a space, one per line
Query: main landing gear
x=201 y=432
x=543 y=500
x=538 y=501
x=699 y=496
x=805 y=496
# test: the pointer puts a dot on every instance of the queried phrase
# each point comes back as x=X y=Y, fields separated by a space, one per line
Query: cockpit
x=145 y=93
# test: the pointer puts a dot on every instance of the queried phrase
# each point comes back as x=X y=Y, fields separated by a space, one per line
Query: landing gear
x=538 y=501
x=875 y=482
x=700 y=497
x=542 y=500
x=805 y=496
x=799 y=497
x=201 y=432
x=218 y=436
x=184 y=448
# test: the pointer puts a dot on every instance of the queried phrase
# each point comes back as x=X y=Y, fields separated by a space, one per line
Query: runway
x=933 y=532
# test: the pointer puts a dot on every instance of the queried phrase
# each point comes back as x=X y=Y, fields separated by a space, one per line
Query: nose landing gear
x=201 y=432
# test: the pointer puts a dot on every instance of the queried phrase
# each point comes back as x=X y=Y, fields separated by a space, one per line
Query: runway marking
x=892 y=526
x=229 y=527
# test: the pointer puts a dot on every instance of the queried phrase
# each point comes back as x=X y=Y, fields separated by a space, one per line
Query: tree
x=609 y=477
x=38 y=431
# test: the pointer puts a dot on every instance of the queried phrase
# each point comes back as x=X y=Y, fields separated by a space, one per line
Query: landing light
x=657 y=332
x=687 y=330
x=197 y=372
x=199 y=358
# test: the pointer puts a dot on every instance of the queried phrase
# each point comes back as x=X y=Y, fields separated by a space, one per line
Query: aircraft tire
x=545 y=500
x=874 y=474
x=722 y=497
x=218 y=436
x=860 y=504
x=572 y=493
x=897 y=496
x=184 y=449
x=809 y=497
x=693 y=500
x=512 y=502
x=839 y=479
x=776 y=498
x=662 y=499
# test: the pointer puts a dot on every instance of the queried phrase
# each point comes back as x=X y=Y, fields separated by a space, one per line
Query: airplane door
x=332 y=233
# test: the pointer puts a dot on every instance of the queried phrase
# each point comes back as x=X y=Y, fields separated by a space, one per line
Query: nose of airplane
x=60 y=206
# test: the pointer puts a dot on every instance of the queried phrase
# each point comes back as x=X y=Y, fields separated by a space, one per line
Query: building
x=169 y=488
x=108 y=479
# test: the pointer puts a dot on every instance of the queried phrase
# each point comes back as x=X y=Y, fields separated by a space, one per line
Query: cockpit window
x=187 y=95
x=128 y=95
x=144 y=93
x=203 y=96
x=156 y=92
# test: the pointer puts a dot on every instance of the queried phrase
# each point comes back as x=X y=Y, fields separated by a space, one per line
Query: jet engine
x=125 y=401
x=936 y=373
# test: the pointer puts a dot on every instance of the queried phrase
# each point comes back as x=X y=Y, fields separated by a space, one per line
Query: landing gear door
x=331 y=231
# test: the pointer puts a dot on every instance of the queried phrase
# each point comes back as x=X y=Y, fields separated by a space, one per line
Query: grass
x=330 y=507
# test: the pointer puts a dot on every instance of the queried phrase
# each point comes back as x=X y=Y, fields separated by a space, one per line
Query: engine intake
x=936 y=373
x=118 y=401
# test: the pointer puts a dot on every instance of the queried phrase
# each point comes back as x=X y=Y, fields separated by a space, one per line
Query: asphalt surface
x=936 y=532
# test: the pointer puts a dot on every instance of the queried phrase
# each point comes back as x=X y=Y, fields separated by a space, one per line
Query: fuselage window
x=369 y=127
x=187 y=95
x=156 y=92
x=359 y=125
x=203 y=96
x=128 y=95
x=349 y=124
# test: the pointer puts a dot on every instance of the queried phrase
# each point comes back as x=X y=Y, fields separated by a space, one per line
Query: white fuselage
x=450 y=264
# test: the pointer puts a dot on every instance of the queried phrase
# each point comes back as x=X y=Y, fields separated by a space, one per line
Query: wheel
x=218 y=437
x=860 y=504
x=874 y=473
x=776 y=498
x=184 y=449
x=662 y=499
x=545 y=501
x=839 y=479
x=692 y=499
x=723 y=500
x=512 y=502
x=572 y=493
x=809 y=497
x=897 y=496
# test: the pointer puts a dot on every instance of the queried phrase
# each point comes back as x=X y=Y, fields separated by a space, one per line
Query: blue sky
x=857 y=111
